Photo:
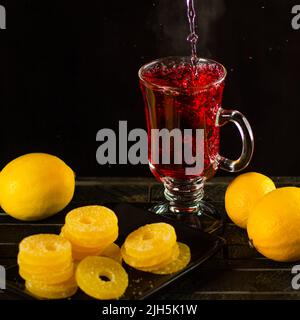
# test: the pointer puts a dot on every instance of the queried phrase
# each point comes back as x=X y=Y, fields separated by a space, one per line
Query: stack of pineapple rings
x=153 y=248
x=90 y=230
x=46 y=261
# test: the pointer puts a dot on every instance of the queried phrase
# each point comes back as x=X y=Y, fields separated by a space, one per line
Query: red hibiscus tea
x=181 y=95
x=184 y=94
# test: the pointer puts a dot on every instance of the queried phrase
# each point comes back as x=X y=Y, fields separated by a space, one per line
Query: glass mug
x=178 y=95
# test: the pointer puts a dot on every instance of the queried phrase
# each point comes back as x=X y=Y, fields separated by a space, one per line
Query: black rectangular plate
x=141 y=284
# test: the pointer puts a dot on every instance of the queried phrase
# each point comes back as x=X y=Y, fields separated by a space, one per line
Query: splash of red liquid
x=181 y=97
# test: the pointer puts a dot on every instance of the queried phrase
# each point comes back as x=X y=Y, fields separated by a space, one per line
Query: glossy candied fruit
x=113 y=251
x=61 y=290
x=91 y=222
x=101 y=278
x=173 y=257
x=45 y=250
x=46 y=276
x=148 y=262
x=178 y=264
x=79 y=255
x=92 y=242
x=40 y=268
x=149 y=240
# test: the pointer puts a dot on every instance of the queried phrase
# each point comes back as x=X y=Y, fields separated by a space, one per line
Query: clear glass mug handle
x=246 y=133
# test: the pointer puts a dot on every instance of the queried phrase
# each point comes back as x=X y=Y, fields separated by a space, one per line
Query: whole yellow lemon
x=243 y=193
x=36 y=186
x=274 y=225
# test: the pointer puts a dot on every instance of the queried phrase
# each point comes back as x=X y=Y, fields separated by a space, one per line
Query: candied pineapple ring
x=90 y=274
x=92 y=242
x=174 y=256
x=83 y=249
x=46 y=276
x=45 y=249
x=180 y=263
x=37 y=268
x=151 y=261
x=55 y=291
x=91 y=222
x=113 y=251
x=79 y=255
x=150 y=239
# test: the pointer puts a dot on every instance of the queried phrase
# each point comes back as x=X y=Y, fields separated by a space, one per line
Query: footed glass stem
x=184 y=202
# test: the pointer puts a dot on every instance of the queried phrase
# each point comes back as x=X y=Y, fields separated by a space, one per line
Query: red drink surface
x=184 y=97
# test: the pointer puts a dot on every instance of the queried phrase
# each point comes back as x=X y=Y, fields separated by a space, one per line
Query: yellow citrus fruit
x=35 y=186
x=243 y=193
x=52 y=291
x=274 y=224
x=90 y=274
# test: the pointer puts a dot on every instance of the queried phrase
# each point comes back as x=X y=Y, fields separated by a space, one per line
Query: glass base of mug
x=206 y=218
x=185 y=204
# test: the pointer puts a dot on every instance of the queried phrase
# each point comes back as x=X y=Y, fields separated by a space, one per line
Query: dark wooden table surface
x=237 y=272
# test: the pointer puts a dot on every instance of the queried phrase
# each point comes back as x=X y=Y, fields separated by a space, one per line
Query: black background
x=69 y=68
